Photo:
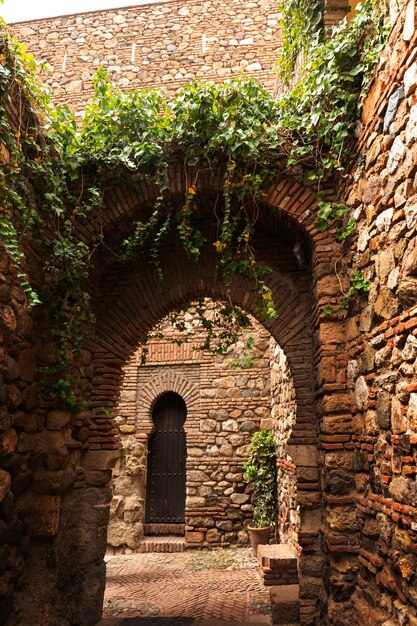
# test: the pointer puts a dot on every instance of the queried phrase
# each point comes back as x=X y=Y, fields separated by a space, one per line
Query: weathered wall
x=158 y=45
x=51 y=509
x=283 y=418
x=65 y=572
x=225 y=406
x=366 y=438
x=382 y=338
x=164 y=45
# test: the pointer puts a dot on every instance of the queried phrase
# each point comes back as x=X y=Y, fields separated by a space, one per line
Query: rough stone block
x=410 y=79
x=396 y=155
x=42 y=514
x=408 y=29
x=55 y=420
x=5 y=482
x=361 y=394
x=303 y=456
x=27 y=365
x=393 y=104
x=285 y=604
x=410 y=210
x=383 y=409
x=386 y=305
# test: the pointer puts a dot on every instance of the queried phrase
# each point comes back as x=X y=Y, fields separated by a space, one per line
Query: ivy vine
x=302 y=28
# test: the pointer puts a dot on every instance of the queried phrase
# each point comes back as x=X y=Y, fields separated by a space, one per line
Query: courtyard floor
x=192 y=588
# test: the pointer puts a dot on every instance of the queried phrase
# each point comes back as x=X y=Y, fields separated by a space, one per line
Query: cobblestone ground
x=191 y=588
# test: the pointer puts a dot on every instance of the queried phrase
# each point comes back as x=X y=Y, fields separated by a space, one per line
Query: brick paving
x=192 y=588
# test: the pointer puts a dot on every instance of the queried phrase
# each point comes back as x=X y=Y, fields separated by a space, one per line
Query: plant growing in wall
x=260 y=471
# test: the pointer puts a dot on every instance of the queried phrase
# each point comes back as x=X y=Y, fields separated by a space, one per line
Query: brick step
x=170 y=543
x=164 y=529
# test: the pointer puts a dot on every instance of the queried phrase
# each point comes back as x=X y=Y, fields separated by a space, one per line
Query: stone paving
x=193 y=588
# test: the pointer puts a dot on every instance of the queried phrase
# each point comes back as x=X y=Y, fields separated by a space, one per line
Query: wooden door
x=165 y=493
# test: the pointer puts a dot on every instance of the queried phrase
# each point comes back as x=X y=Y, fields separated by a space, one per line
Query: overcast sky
x=21 y=10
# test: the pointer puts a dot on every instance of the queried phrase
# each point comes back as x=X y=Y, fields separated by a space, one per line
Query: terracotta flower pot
x=259 y=536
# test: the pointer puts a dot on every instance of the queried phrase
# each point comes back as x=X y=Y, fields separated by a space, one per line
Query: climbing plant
x=323 y=108
x=135 y=136
x=302 y=28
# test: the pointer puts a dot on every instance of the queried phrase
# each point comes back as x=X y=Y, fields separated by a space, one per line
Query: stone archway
x=308 y=338
x=225 y=406
x=128 y=302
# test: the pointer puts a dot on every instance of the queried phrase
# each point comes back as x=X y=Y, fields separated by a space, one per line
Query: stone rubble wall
x=382 y=337
x=283 y=417
x=164 y=45
x=225 y=406
x=54 y=507
x=54 y=485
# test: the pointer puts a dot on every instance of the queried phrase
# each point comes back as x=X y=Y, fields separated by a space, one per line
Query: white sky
x=22 y=10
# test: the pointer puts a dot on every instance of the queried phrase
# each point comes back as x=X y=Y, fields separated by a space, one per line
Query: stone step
x=170 y=543
x=285 y=604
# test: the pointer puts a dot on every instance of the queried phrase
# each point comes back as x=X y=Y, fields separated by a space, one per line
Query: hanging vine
x=302 y=29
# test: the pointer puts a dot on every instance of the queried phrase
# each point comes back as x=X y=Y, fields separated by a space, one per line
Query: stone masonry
x=350 y=460
x=225 y=406
x=163 y=45
x=382 y=338
x=157 y=45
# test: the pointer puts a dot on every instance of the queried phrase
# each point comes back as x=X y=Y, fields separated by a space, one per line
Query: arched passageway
x=129 y=300
x=229 y=401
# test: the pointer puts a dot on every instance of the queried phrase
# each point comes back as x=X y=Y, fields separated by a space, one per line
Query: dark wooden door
x=165 y=493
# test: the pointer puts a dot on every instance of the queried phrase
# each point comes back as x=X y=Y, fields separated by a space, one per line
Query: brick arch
x=290 y=202
x=128 y=301
x=159 y=385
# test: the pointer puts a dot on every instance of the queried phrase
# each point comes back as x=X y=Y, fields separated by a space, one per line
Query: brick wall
x=73 y=467
x=128 y=303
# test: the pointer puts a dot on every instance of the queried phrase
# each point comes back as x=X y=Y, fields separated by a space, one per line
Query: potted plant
x=260 y=471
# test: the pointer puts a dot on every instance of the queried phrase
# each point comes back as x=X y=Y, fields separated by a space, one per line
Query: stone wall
x=382 y=337
x=65 y=571
x=354 y=450
x=164 y=45
x=54 y=506
x=225 y=406
x=158 y=45
x=283 y=418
